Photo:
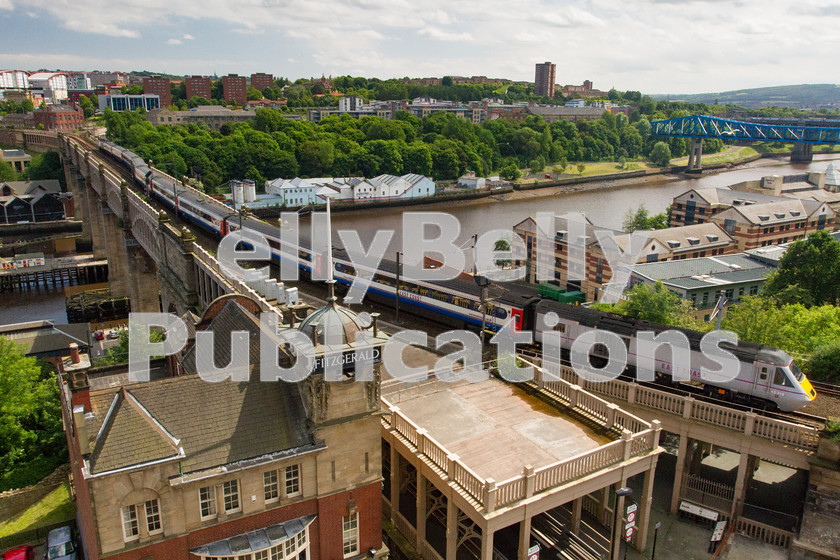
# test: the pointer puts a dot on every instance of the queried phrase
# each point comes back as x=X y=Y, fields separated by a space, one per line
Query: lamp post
x=397 y=290
x=655 y=531
x=616 y=533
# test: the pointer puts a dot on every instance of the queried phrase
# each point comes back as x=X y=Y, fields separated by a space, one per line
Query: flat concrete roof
x=496 y=428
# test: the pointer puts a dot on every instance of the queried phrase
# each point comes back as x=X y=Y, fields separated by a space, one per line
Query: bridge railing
x=801 y=436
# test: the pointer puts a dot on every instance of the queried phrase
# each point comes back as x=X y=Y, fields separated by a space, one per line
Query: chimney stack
x=74 y=353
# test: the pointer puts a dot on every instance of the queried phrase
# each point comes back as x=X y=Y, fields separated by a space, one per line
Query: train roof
x=624 y=325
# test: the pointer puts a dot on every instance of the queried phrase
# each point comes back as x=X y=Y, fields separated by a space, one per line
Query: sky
x=654 y=46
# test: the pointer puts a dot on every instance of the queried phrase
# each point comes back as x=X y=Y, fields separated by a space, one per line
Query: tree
x=642 y=220
x=7 y=172
x=510 y=173
x=253 y=94
x=812 y=265
x=581 y=167
x=32 y=441
x=502 y=245
x=119 y=354
x=86 y=106
x=622 y=162
x=824 y=363
x=656 y=304
x=46 y=166
x=660 y=154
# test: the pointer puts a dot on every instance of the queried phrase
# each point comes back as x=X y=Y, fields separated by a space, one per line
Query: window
x=230 y=494
x=781 y=379
x=261 y=555
x=153 y=517
x=272 y=488
x=292 y=480
x=207 y=501
x=350 y=526
x=131 y=529
x=277 y=552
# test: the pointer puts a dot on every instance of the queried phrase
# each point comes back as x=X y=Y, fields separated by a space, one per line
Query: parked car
x=113 y=333
x=60 y=545
x=25 y=552
x=99 y=335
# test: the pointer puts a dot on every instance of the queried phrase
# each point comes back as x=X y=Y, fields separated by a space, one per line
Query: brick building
x=198 y=86
x=544 y=77
x=775 y=223
x=261 y=80
x=60 y=117
x=697 y=206
x=235 y=88
x=591 y=273
x=158 y=86
x=182 y=469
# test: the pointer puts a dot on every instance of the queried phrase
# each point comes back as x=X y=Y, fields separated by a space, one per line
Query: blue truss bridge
x=802 y=133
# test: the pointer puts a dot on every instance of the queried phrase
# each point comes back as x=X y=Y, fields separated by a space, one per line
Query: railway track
x=828 y=389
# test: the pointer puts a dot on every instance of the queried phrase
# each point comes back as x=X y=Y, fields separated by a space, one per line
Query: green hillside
x=804 y=96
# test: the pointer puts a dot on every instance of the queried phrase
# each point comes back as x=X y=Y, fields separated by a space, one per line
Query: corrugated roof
x=669 y=270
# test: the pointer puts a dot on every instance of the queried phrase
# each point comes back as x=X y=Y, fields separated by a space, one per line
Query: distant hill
x=804 y=96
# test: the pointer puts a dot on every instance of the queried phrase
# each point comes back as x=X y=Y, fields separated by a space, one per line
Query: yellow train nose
x=809 y=389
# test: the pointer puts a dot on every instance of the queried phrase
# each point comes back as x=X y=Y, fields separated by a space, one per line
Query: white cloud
x=174 y=42
x=441 y=35
x=679 y=46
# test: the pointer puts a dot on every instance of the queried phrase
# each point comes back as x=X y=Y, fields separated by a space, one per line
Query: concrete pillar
x=451 y=529
x=76 y=185
x=486 y=544
x=97 y=221
x=421 y=509
x=524 y=537
x=746 y=468
x=645 y=505
x=695 y=154
x=577 y=514
x=602 y=504
x=678 y=473
x=118 y=273
x=802 y=153
x=618 y=529
x=145 y=286
x=395 y=481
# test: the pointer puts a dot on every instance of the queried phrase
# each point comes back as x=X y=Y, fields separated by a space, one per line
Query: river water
x=604 y=204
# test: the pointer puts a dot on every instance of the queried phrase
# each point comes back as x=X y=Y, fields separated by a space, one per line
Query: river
x=603 y=203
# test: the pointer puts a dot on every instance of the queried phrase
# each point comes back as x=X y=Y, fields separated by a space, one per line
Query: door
x=763 y=378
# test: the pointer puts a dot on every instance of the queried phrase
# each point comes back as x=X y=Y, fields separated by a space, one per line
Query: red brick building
x=775 y=223
x=198 y=86
x=159 y=86
x=178 y=468
x=60 y=117
x=235 y=88
x=261 y=80
x=591 y=274
x=697 y=206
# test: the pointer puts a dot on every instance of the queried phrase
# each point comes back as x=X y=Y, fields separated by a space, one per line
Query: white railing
x=428 y=552
x=490 y=495
x=559 y=381
x=404 y=527
x=762 y=532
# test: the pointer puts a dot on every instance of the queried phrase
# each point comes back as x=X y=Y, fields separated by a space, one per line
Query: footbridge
x=156 y=264
x=704 y=428
x=803 y=134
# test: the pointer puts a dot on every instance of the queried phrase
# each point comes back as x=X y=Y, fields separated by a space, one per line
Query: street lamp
x=616 y=534
x=655 y=531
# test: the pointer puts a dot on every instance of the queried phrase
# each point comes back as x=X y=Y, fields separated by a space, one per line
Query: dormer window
x=693 y=240
x=673 y=244
x=779 y=215
x=712 y=238
x=764 y=218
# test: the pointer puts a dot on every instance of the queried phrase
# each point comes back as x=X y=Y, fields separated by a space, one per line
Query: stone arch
x=139 y=496
x=115 y=202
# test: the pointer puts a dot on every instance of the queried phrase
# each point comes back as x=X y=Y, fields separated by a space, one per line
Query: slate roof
x=129 y=436
x=727 y=197
x=215 y=423
x=45 y=338
x=255 y=541
x=695 y=237
x=790 y=209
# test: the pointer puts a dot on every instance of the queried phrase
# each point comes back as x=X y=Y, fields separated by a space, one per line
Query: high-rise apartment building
x=261 y=80
x=158 y=86
x=235 y=88
x=544 y=79
x=198 y=86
